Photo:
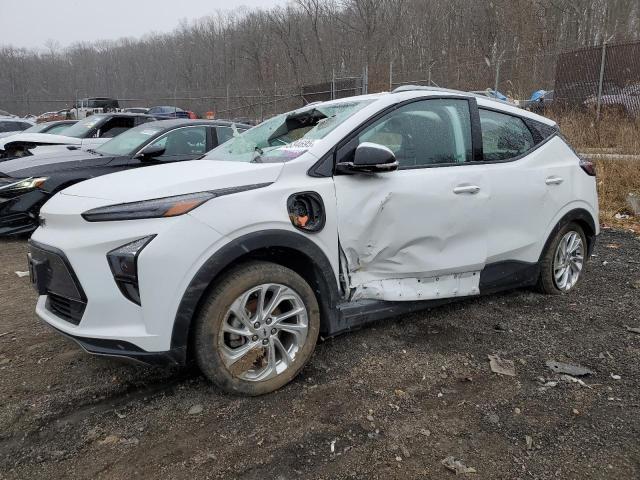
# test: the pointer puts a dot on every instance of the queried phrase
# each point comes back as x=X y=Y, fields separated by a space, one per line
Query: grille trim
x=66 y=298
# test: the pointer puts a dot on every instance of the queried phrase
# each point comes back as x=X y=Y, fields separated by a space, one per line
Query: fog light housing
x=124 y=267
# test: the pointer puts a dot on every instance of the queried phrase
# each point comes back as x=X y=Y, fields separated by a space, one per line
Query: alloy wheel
x=263 y=331
x=568 y=261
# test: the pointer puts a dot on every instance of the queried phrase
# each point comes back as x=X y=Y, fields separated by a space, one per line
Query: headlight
x=160 y=207
x=124 y=266
x=26 y=184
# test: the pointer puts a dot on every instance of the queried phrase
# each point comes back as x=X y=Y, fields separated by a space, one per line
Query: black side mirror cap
x=370 y=158
x=150 y=152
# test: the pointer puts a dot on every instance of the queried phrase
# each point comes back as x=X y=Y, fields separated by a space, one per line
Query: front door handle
x=472 y=189
x=554 y=180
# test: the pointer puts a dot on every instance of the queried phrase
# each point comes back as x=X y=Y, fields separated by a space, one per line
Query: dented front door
x=420 y=232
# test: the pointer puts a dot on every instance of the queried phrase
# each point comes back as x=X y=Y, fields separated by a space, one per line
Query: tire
x=226 y=327
x=551 y=263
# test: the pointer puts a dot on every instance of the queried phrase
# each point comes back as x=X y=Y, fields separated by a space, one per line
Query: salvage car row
x=317 y=221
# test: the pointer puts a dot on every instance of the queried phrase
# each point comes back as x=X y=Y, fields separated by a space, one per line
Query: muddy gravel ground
x=389 y=401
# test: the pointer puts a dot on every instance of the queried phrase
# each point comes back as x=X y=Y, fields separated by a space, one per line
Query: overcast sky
x=30 y=23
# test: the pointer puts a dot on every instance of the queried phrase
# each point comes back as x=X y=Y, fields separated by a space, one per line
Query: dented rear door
x=420 y=232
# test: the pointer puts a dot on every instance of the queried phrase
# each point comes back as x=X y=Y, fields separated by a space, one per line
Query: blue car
x=165 y=112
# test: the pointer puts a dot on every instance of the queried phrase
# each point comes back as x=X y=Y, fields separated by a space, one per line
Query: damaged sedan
x=313 y=223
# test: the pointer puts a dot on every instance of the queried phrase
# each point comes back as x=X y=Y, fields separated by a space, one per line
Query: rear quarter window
x=504 y=136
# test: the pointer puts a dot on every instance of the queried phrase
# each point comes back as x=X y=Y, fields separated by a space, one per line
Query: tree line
x=234 y=61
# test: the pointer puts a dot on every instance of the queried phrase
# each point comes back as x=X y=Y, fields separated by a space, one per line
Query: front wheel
x=563 y=262
x=257 y=328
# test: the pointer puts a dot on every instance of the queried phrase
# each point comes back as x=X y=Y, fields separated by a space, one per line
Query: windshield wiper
x=91 y=150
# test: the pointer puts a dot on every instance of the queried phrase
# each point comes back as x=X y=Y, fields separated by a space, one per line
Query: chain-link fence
x=591 y=79
x=604 y=77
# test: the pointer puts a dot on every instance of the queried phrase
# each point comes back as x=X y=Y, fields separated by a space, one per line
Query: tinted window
x=226 y=133
x=503 y=136
x=12 y=126
x=184 y=141
x=116 y=126
x=425 y=133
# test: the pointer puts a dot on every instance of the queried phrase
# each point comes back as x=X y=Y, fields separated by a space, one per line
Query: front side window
x=287 y=136
x=183 y=142
x=426 y=132
x=503 y=136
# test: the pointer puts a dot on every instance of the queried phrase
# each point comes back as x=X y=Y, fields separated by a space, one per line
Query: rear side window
x=503 y=136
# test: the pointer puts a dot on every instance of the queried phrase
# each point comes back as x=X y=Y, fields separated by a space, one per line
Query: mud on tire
x=229 y=316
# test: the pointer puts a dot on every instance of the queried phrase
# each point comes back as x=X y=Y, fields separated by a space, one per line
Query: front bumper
x=110 y=323
x=19 y=213
x=129 y=351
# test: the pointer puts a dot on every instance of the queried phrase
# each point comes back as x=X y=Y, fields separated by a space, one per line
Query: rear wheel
x=564 y=260
x=257 y=329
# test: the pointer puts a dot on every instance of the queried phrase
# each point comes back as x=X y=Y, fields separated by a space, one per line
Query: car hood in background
x=174 y=179
x=41 y=138
x=40 y=165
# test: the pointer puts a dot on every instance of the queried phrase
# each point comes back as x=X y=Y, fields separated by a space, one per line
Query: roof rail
x=411 y=88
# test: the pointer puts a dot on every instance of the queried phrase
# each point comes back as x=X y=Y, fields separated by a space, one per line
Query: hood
x=174 y=179
x=41 y=138
x=44 y=163
x=8 y=134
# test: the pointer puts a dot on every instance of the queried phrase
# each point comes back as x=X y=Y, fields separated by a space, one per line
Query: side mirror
x=370 y=158
x=150 y=152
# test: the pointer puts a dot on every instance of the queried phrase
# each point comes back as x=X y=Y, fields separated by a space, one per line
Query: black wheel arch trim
x=581 y=216
x=325 y=286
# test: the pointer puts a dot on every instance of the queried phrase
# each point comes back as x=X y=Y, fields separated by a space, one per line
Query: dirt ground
x=390 y=401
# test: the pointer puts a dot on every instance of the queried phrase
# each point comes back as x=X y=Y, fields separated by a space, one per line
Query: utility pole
x=601 y=79
x=333 y=84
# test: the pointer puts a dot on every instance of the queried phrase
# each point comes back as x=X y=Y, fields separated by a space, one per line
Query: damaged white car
x=317 y=221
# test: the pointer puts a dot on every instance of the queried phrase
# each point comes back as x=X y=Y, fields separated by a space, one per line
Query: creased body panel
x=410 y=224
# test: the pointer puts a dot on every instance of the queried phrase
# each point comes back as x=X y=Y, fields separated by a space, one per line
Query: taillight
x=588 y=166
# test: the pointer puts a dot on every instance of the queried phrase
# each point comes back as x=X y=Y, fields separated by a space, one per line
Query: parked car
x=136 y=110
x=91 y=106
x=627 y=101
x=87 y=133
x=315 y=222
x=56 y=127
x=540 y=100
x=53 y=116
x=26 y=183
x=164 y=112
x=12 y=125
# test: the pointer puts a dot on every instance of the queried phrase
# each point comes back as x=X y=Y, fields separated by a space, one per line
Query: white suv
x=315 y=222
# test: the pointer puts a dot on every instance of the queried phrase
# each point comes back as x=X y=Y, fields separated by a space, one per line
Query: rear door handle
x=472 y=189
x=554 y=180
